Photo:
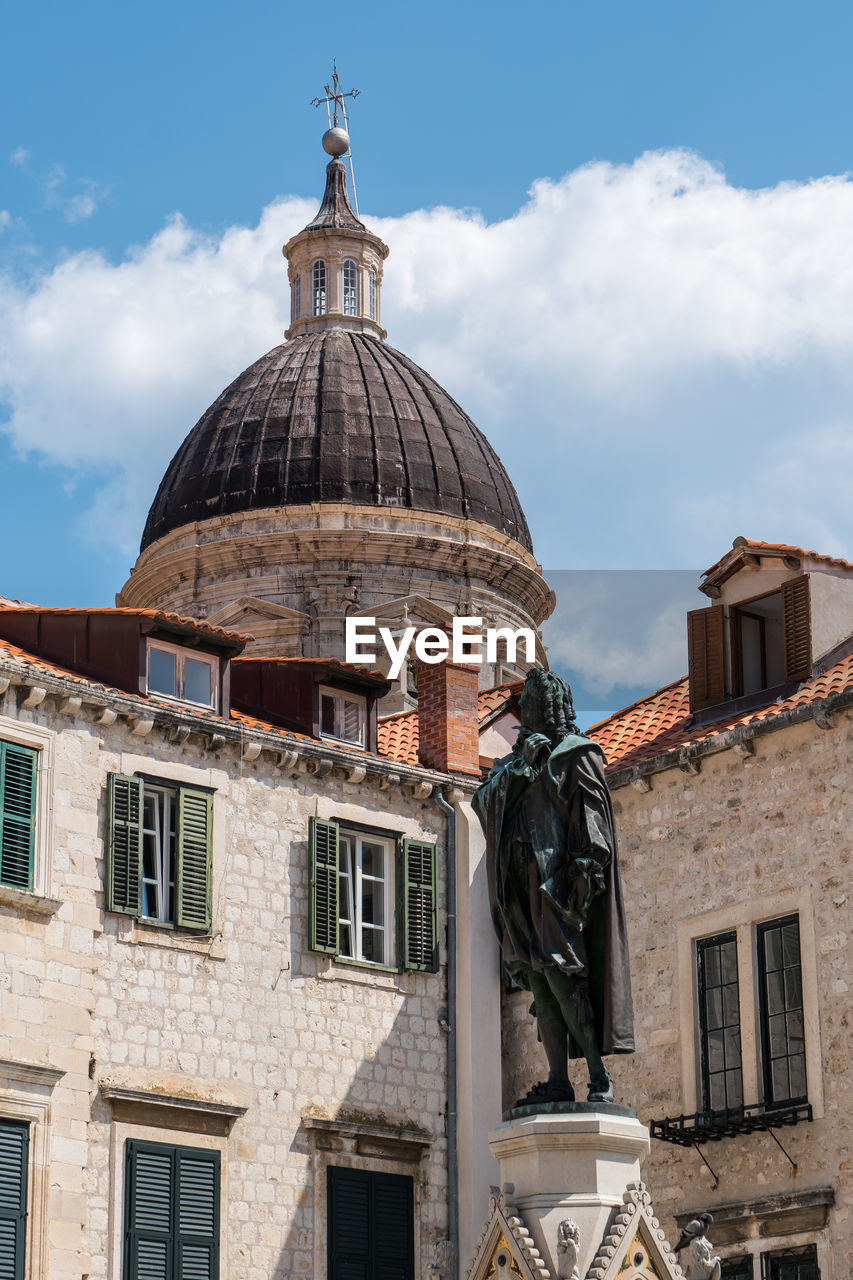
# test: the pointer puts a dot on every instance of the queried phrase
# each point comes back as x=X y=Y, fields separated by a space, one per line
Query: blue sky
x=620 y=236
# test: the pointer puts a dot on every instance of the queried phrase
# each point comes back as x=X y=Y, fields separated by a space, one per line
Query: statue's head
x=546 y=704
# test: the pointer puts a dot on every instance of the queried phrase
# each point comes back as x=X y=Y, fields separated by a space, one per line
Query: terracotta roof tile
x=661 y=722
x=782 y=548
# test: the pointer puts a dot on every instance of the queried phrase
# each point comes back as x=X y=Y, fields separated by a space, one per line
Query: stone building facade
x=734 y=820
x=237 y=1038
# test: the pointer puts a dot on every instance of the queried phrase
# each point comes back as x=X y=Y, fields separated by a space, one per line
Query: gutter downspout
x=452 y=1119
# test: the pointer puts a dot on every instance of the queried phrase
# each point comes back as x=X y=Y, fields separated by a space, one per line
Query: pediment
x=635 y=1247
x=506 y=1250
x=406 y=609
x=253 y=607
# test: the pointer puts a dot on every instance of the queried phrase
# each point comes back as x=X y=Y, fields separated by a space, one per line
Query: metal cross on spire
x=334 y=99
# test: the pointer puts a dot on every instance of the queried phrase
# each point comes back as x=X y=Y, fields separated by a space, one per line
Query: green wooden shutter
x=14 y=1148
x=323 y=906
x=194 y=845
x=18 y=769
x=370 y=1233
x=197 y=1214
x=124 y=843
x=420 y=905
x=796 y=628
x=171 y=1213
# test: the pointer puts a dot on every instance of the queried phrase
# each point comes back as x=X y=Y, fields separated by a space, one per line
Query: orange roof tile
x=661 y=722
x=750 y=544
x=397 y=735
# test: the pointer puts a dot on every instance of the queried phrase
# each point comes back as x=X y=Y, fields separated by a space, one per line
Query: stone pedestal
x=575 y=1163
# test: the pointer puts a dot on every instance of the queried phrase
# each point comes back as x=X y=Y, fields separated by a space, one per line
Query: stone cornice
x=30 y=1072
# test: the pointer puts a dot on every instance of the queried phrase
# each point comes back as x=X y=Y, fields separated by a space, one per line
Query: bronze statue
x=554 y=889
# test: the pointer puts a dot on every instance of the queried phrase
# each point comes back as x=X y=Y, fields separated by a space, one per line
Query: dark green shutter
x=171 y=1213
x=14 y=1147
x=124 y=843
x=195 y=823
x=420 y=905
x=370 y=1225
x=323 y=839
x=18 y=769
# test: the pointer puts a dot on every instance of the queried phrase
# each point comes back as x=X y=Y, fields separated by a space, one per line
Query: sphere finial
x=336 y=142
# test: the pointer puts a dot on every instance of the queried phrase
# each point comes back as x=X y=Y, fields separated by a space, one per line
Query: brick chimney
x=448 y=728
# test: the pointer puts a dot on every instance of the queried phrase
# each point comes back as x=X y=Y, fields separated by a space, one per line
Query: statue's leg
x=574 y=1004
x=553 y=1033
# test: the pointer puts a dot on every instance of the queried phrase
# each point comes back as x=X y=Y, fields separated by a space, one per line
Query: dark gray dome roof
x=335 y=416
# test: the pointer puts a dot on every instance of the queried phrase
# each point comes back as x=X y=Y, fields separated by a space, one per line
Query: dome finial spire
x=336 y=137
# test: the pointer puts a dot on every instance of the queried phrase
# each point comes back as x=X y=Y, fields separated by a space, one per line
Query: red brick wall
x=448 y=729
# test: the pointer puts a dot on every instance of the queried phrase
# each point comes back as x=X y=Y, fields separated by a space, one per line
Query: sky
x=620 y=237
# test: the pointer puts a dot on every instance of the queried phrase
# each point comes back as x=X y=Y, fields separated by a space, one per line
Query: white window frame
x=25 y=1096
x=43 y=741
x=371 y=284
x=349 y=287
x=182 y=653
x=319 y=288
x=742 y=919
x=297 y=296
x=351 y=894
x=341 y=696
x=166 y=822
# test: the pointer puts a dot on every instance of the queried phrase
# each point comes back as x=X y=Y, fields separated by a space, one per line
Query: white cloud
x=5 y=219
x=74 y=208
x=661 y=359
x=19 y=156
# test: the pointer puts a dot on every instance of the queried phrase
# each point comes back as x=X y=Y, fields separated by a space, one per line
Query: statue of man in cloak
x=554 y=889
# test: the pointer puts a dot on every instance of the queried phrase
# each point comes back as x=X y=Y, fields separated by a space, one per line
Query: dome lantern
x=335 y=263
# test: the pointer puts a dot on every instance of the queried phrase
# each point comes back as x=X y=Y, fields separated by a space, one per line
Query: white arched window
x=297 y=297
x=350 y=290
x=318 y=288
x=371 y=275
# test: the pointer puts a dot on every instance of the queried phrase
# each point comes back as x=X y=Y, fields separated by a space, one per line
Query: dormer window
x=186 y=677
x=371 y=284
x=350 y=287
x=318 y=288
x=758 y=650
x=297 y=297
x=343 y=715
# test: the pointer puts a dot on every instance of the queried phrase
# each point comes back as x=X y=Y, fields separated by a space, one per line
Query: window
x=365 y=894
x=297 y=297
x=736 y=1268
x=371 y=279
x=343 y=715
x=318 y=289
x=171 y=1212
x=18 y=769
x=781 y=1009
x=159 y=852
x=791 y=1264
x=769 y=643
x=373 y=897
x=350 y=287
x=758 y=658
x=370 y=1225
x=719 y=1023
x=174 y=673
x=14 y=1159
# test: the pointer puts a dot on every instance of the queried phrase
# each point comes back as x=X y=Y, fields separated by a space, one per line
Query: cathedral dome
x=335 y=416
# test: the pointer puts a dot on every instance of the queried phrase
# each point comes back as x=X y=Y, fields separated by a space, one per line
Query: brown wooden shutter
x=706 y=657
x=796 y=627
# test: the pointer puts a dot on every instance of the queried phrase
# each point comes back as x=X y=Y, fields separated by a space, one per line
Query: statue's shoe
x=601 y=1088
x=546 y=1091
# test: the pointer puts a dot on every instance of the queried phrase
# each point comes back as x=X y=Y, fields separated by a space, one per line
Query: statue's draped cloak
x=538 y=823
